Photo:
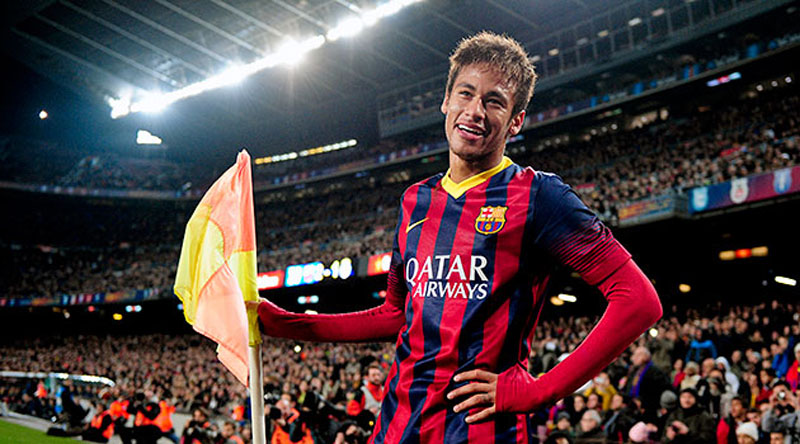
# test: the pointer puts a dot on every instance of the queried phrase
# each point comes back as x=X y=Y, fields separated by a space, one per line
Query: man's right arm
x=382 y=322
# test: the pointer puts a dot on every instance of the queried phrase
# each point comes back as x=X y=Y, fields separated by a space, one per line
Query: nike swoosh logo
x=410 y=227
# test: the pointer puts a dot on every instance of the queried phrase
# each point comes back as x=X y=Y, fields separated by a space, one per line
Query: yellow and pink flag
x=217 y=267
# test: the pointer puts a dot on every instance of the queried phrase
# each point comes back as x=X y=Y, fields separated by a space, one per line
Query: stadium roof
x=116 y=48
x=133 y=51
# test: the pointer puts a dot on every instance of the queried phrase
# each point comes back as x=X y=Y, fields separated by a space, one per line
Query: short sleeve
x=570 y=232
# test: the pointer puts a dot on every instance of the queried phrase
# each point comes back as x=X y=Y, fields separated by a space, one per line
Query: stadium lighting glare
x=290 y=54
x=43 y=114
x=786 y=281
x=658 y=12
x=120 y=107
x=347 y=28
x=582 y=41
x=788 y=79
x=536 y=58
x=635 y=21
x=567 y=297
x=653 y=332
x=117 y=316
x=603 y=33
x=556 y=301
x=684 y=288
x=298 y=349
x=144 y=137
x=553 y=52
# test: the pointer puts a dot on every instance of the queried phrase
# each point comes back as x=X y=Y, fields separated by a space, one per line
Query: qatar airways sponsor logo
x=443 y=276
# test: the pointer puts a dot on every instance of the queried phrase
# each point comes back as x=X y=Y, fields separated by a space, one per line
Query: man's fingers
x=482 y=415
x=481 y=375
x=479 y=399
x=469 y=388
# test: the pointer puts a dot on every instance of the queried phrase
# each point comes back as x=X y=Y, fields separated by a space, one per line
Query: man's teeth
x=470 y=130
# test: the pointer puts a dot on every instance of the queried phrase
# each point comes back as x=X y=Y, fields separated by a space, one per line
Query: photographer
x=287 y=423
x=198 y=430
x=783 y=415
x=350 y=433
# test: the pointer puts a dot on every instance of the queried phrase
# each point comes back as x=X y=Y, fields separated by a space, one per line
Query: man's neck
x=461 y=169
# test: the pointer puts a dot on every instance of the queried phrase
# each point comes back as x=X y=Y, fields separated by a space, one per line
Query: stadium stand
x=720 y=355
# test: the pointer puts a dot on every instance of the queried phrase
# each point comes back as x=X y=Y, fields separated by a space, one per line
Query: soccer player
x=472 y=254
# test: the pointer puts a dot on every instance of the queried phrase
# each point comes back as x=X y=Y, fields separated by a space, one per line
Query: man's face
x=687 y=400
x=479 y=113
x=639 y=357
x=616 y=402
x=755 y=416
x=708 y=365
x=737 y=409
x=587 y=422
x=375 y=376
x=776 y=438
x=227 y=430
x=198 y=416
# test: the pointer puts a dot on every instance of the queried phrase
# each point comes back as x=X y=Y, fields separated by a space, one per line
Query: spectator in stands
x=783 y=413
x=700 y=348
x=747 y=433
x=690 y=423
x=646 y=382
x=589 y=429
x=727 y=426
x=793 y=374
x=619 y=419
x=601 y=386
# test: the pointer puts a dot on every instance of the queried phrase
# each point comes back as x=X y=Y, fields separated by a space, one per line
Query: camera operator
x=783 y=414
x=350 y=433
x=199 y=430
x=287 y=423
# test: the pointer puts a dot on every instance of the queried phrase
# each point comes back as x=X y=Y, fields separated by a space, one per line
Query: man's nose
x=475 y=109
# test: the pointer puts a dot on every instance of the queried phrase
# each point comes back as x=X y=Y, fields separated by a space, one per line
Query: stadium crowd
x=356 y=217
x=722 y=374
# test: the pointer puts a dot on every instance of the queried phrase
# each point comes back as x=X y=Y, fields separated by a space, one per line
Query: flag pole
x=257 y=395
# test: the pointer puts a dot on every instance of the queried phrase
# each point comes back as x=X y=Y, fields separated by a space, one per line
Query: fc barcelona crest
x=490 y=220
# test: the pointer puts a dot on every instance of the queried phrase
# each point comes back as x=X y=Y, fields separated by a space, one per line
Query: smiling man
x=473 y=251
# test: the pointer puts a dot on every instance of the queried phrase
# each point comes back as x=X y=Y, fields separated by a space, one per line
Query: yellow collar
x=458 y=189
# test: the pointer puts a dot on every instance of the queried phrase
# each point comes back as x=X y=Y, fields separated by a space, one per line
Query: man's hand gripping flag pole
x=217 y=274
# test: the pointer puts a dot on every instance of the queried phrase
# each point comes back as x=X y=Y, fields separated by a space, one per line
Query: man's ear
x=516 y=124
x=443 y=108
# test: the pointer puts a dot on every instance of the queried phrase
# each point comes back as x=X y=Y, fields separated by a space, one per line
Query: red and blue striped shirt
x=470 y=264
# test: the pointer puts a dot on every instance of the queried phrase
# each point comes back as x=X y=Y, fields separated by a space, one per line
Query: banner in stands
x=745 y=190
x=87 y=298
x=650 y=210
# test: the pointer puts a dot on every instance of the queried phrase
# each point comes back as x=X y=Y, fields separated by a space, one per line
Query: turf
x=17 y=434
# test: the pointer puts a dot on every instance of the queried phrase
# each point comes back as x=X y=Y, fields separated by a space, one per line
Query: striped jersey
x=469 y=265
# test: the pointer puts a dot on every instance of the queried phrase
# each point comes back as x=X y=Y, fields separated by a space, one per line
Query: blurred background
x=676 y=121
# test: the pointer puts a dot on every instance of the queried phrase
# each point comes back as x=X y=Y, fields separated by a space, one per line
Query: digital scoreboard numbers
x=315 y=272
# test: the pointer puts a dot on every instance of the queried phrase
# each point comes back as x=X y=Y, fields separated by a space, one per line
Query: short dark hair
x=499 y=52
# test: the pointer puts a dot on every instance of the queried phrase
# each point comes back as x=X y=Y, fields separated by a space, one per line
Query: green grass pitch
x=17 y=434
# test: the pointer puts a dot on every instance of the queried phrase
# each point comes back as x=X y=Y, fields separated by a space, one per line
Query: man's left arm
x=633 y=306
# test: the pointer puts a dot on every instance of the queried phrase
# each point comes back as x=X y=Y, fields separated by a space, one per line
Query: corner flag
x=217 y=267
